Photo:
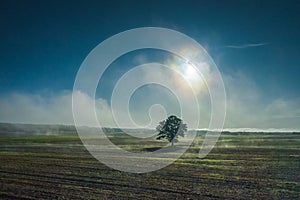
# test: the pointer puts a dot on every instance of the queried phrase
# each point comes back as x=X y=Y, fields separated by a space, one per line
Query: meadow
x=241 y=166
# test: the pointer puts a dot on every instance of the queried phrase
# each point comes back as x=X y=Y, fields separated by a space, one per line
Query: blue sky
x=255 y=45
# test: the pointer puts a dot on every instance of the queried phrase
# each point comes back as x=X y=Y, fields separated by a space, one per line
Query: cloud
x=243 y=46
x=53 y=109
x=34 y=108
x=247 y=106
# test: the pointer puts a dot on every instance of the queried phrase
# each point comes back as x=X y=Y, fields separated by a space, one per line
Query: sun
x=189 y=72
x=188 y=75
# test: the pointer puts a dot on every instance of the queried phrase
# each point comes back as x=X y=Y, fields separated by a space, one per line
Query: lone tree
x=170 y=129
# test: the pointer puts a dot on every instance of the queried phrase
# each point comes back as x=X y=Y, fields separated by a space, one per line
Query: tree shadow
x=151 y=149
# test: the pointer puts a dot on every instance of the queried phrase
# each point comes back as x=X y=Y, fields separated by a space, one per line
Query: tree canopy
x=170 y=129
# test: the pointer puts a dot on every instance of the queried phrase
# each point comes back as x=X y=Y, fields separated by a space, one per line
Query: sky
x=255 y=45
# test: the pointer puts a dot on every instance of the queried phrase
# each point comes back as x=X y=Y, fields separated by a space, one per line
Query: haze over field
x=254 y=44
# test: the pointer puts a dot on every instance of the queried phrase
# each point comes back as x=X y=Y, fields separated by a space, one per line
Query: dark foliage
x=170 y=129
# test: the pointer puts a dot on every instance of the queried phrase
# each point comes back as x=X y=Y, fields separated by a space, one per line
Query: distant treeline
x=13 y=130
x=17 y=130
x=10 y=130
x=259 y=132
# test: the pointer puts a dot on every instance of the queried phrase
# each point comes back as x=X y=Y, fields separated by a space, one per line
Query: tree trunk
x=172 y=142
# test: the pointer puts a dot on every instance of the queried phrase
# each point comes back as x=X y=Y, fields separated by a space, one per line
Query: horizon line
x=227 y=129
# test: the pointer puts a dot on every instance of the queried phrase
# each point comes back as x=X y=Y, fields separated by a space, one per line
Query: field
x=241 y=166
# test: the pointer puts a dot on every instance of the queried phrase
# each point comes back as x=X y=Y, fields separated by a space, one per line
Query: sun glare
x=189 y=72
x=189 y=75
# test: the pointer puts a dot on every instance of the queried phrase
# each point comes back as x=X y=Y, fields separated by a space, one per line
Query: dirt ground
x=252 y=167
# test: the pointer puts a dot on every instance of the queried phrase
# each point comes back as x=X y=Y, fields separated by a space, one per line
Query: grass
x=256 y=166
